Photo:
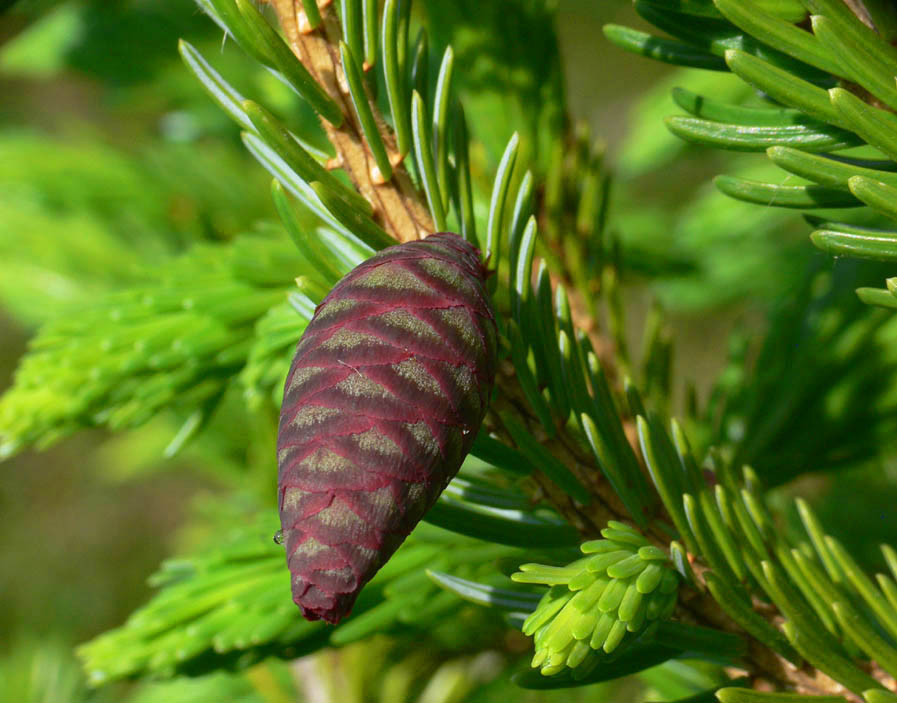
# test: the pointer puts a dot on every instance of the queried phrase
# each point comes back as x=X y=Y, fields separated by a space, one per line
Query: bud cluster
x=599 y=602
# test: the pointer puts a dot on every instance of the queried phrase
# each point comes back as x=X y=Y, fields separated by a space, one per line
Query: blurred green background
x=113 y=158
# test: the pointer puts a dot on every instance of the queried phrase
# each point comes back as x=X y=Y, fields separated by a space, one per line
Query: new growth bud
x=598 y=603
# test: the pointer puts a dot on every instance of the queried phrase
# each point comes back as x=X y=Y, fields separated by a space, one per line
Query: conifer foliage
x=462 y=424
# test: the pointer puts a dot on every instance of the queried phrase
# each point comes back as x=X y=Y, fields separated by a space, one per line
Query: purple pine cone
x=387 y=390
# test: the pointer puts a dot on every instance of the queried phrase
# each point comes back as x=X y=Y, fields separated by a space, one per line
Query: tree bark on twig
x=398 y=205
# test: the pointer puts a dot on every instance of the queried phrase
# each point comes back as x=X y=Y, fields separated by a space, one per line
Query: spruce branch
x=556 y=417
x=313 y=49
x=229 y=606
x=172 y=342
x=698 y=606
x=830 y=63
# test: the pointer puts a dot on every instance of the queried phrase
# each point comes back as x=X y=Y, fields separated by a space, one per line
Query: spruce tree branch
x=404 y=215
x=397 y=204
x=606 y=504
x=768 y=670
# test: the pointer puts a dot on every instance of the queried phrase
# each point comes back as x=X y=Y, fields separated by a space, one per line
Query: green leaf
x=721 y=535
x=700 y=640
x=512 y=527
x=679 y=557
x=462 y=172
x=660 y=49
x=369 y=17
x=483 y=594
x=310 y=246
x=312 y=14
x=710 y=549
x=817 y=537
x=354 y=220
x=527 y=380
x=846 y=21
x=697 y=8
x=715 y=111
x=770 y=194
x=810 y=574
x=877 y=296
x=423 y=149
x=618 y=460
x=420 y=63
x=499 y=196
x=824 y=169
x=523 y=212
x=269 y=356
x=662 y=473
x=545 y=335
x=245 y=576
x=821 y=605
x=890 y=555
x=395 y=85
x=500 y=455
x=719 y=35
x=545 y=461
x=228 y=16
x=865 y=637
x=739 y=608
x=607 y=461
x=221 y=91
x=229 y=606
x=471 y=488
x=172 y=342
x=876 y=245
x=693 y=477
x=789 y=10
x=778 y=33
x=359 y=98
x=278 y=138
x=804 y=620
x=888 y=587
x=284 y=172
x=863 y=586
x=828 y=661
x=861 y=54
x=352 y=24
x=747 y=529
x=877 y=127
x=295 y=72
x=812 y=138
x=521 y=289
x=877 y=195
x=784 y=87
x=511 y=67
x=441 y=102
x=368 y=623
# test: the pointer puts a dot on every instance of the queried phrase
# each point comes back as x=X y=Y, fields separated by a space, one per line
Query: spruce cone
x=385 y=395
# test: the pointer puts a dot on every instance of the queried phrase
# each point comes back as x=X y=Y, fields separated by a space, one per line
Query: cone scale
x=386 y=392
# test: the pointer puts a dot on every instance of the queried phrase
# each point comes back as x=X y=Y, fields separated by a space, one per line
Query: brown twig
x=398 y=206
